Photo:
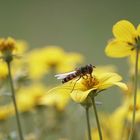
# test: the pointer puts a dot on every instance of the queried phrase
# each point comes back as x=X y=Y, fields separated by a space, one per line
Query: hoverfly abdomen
x=69 y=77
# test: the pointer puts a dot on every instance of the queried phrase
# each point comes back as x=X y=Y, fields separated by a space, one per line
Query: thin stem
x=97 y=119
x=88 y=123
x=14 y=102
x=135 y=94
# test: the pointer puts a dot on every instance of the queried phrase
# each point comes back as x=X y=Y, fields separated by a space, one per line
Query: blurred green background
x=82 y=26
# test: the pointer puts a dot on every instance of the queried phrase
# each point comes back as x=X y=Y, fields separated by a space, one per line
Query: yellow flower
x=36 y=64
x=59 y=101
x=127 y=39
x=7 y=45
x=21 y=46
x=27 y=98
x=129 y=102
x=86 y=84
x=116 y=125
x=17 y=64
x=95 y=134
x=112 y=125
x=70 y=62
x=7 y=48
x=54 y=55
x=42 y=61
x=5 y=112
x=56 y=58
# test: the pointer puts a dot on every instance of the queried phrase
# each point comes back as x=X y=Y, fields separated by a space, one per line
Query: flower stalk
x=135 y=94
x=97 y=118
x=14 y=101
x=88 y=122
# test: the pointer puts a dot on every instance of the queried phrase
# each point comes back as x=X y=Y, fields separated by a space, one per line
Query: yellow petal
x=121 y=85
x=21 y=46
x=59 y=100
x=109 y=77
x=27 y=98
x=79 y=96
x=67 y=88
x=124 y=31
x=5 y=112
x=118 y=49
x=107 y=80
x=101 y=69
x=69 y=64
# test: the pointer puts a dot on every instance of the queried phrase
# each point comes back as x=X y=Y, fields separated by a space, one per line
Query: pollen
x=89 y=81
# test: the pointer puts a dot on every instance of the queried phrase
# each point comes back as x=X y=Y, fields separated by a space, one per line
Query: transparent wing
x=64 y=75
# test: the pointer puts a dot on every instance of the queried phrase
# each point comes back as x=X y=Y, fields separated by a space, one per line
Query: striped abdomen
x=69 y=77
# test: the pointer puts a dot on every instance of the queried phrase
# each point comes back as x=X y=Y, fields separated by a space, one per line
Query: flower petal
x=118 y=49
x=59 y=100
x=67 y=88
x=124 y=31
x=109 y=79
x=121 y=85
x=79 y=96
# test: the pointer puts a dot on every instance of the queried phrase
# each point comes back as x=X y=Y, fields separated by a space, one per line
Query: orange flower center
x=89 y=81
x=7 y=45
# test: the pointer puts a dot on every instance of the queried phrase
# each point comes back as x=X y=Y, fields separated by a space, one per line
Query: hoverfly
x=78 y=72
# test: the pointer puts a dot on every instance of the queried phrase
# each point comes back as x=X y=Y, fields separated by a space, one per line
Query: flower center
x=137 y=40
x=136 y=43
x=89 y=81
x=7 y=45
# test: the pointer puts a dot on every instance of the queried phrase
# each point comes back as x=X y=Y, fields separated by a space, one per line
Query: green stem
x=88 y=122
x=14 y=102
x=97 y=119
x=135 y=94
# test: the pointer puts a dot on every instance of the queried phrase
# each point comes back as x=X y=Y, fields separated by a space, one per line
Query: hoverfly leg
x=85 y=76
x=75 y=84
x=91 y=75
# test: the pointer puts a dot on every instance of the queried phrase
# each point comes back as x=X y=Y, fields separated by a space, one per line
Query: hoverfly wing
x=60 y=76
x=64 y=75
